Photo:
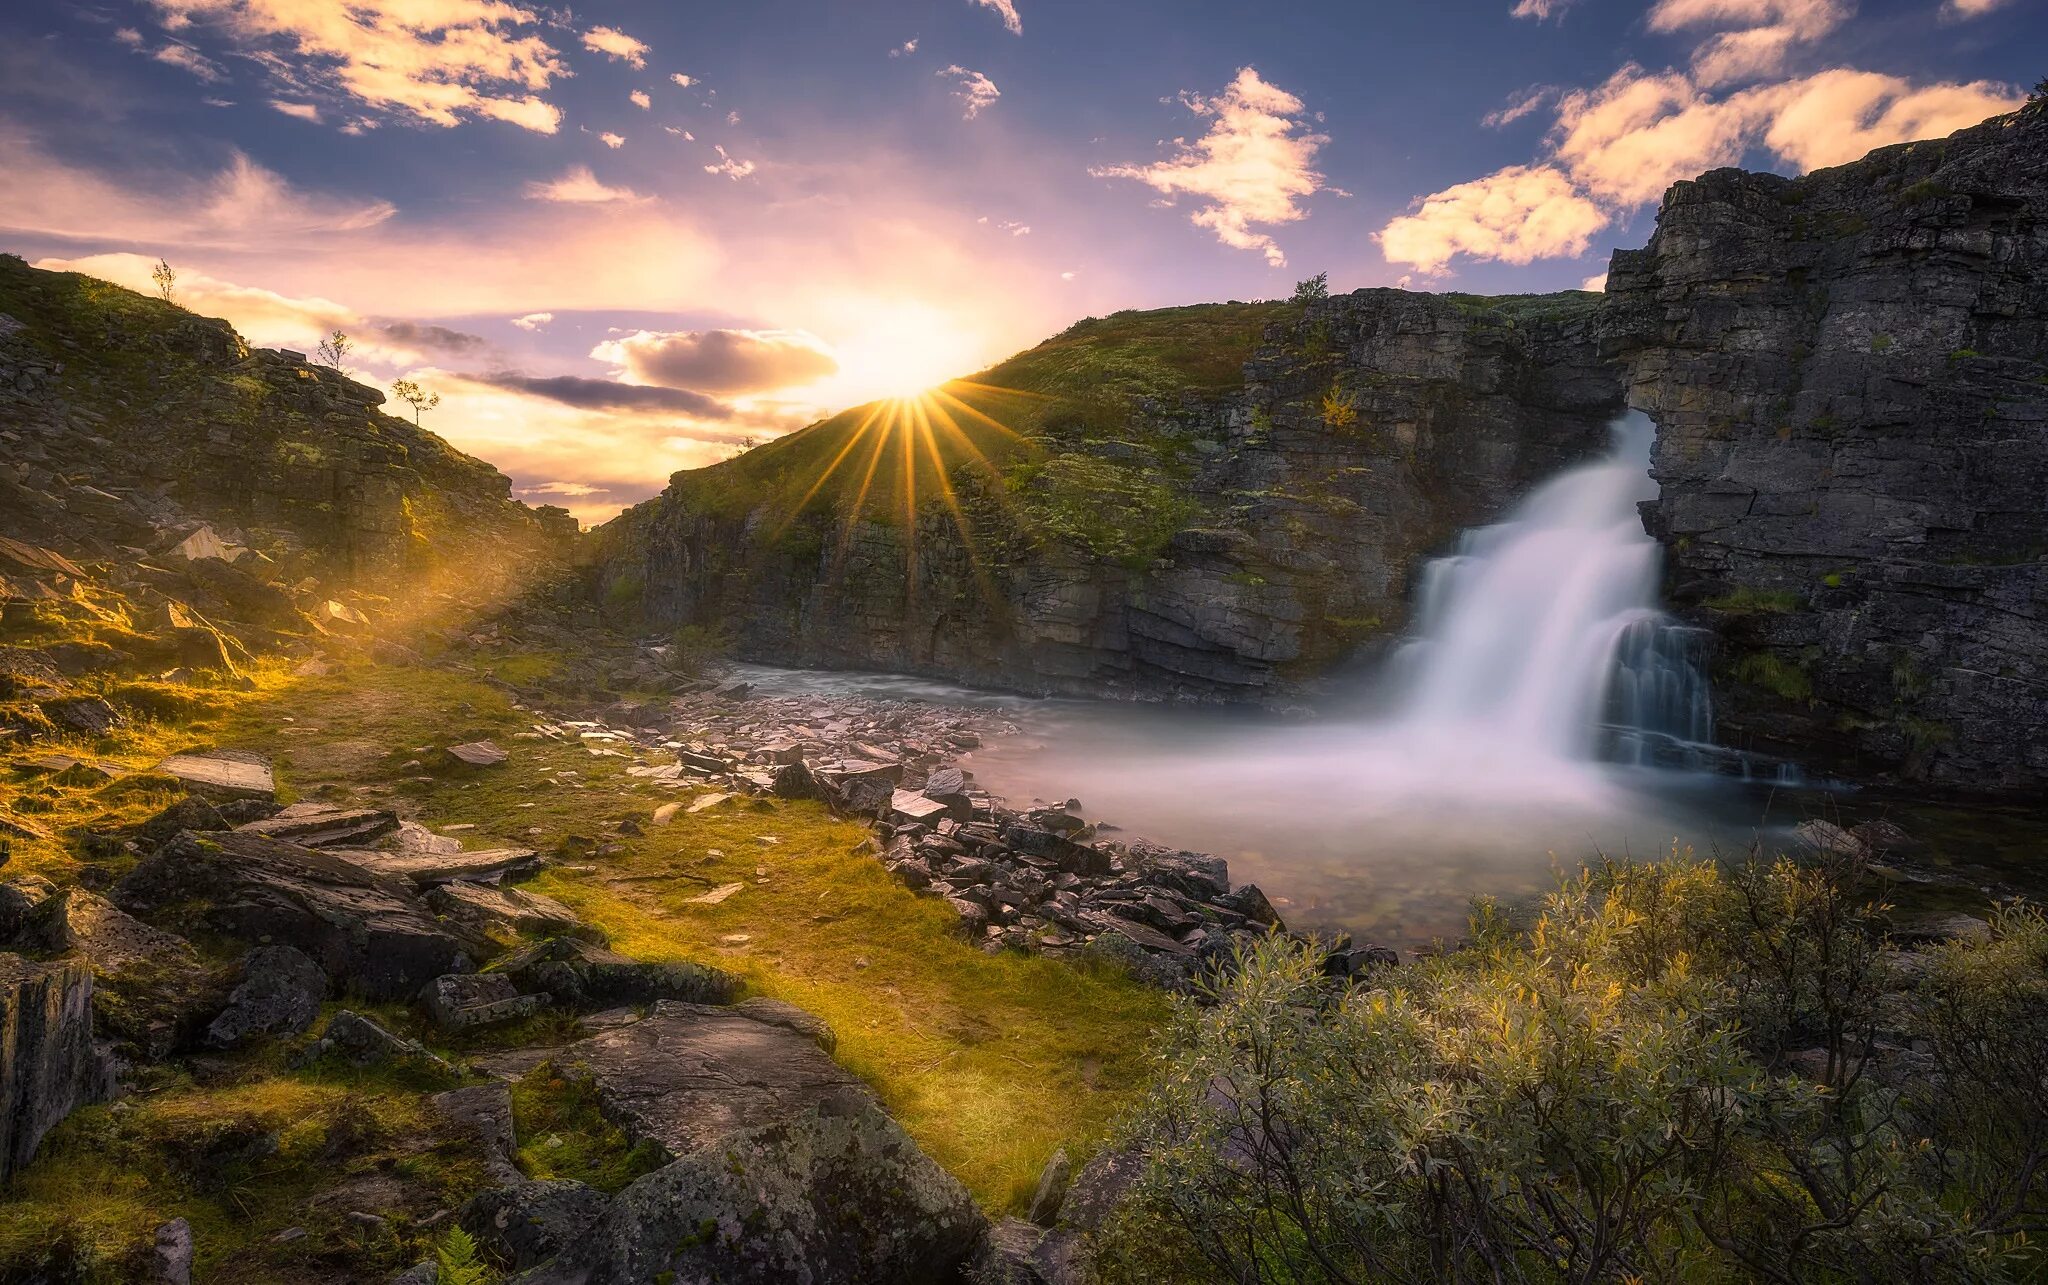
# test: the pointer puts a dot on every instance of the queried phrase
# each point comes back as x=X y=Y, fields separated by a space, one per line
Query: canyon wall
x=1849 y=372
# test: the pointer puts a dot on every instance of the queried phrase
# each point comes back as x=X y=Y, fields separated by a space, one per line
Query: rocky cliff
x=126 y=424
x=1849 y=372
x=1200 y=503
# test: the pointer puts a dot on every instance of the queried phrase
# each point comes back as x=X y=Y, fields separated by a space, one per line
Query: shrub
x=694 y=648
x=1309 y=291
x=1340 y=409
x=1663 y=1077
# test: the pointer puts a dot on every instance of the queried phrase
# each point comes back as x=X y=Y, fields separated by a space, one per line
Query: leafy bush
x=694 y=648
x=1669 y=1075
x=1309 y=291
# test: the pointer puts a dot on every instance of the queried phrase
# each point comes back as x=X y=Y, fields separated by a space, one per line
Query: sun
x=904 y=349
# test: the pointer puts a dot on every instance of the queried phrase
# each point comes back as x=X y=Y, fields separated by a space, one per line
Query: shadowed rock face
x=1304 y=522
x=1847 y=371
x=48 y=1064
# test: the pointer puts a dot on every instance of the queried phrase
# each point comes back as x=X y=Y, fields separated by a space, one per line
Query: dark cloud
x=607 y=394
x=426 y=337
x=727 y=361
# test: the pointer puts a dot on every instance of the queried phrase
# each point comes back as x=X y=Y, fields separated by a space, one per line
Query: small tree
x=166 y=278
x=1316 y=287
x=334 y=350
x=416 y=397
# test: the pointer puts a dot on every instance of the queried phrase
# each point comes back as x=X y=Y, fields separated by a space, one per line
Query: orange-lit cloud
x=973 y=91
x=438 y=62
x=616 y=44
x=720 y=360
x=579 y=186
x=1516 y=215
x=1007 y=11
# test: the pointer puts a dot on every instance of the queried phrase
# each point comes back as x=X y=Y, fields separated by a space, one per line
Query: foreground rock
x=48 y=1063
x=784 y=1168
x=366 y=931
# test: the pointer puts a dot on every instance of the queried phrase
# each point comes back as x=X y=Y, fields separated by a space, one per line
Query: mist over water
x=1514 y=733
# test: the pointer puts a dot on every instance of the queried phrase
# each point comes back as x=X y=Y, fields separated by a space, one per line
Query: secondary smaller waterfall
x=1540 y=638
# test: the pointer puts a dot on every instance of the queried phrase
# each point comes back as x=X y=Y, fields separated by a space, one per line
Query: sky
x=623 y=239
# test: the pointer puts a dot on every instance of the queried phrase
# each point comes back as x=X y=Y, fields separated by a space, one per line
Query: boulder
x=484 y=910
x=367 y=932
x=833 y=1194
x=321 y=825
x=781 y=1013
x=483 y=1113
x=280 y=994
x=581 y=975
x=171 y=1261
x=461 y=1001
x=352 y=1038
x=49 y=1065
x=188 y=813
x=222 y=774
x=421 y=869
x=150 y=988
x=1053 y=1182
x=86 y=716
x=524 y=1224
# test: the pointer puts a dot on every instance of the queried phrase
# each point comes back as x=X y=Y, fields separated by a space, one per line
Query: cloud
x=533 y=320
x=302 y=111
x=1837 y=116
x=727 y=361
x=1515 y=215
x=1252 y=167
x=578 y=186
x=905 y=49
x=128 y=36
x=1597 y=283
x=440 y=62
x=1518 y=105
x=1637 y=134
x=1965 y=8
x=191 y=60
x=640 y=99
x=563 y=488
x=728 y=166
x=1540 y=10
x=240 y=205
x=265 y=317
x=607 y=394
x=616 y=44
x=683 y=80
x=426 y=337
x=1753 y=38
x=611 y=140
x=973 y=90
x=1007 y=10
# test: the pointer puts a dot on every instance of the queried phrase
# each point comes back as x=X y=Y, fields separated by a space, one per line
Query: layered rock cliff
x=1849 y=372
x=1201 y=503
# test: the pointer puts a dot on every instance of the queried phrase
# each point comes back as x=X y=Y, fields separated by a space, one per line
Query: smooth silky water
x=1544 y=712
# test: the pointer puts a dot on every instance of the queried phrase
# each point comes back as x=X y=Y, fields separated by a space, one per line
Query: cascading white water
x=1540 y=638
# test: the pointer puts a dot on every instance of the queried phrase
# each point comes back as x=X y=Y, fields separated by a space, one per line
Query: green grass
x=1750 y=601
x=990 y=1062
x=1780 y=678
x=563 y=1133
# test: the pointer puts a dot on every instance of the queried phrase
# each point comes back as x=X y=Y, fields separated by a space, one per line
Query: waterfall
x=1540 y=637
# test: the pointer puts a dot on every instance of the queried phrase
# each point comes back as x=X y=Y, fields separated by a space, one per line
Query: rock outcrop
x=1206 y=535
x=1849 y=373
x=49 y=1065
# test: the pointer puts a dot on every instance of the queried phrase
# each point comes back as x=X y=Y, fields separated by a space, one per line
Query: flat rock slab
x=424 y=869
x=477 y=754
x=321 y=825
x=691 y=1074
x=483 y=908
x=911 y=805
x=365 y=930
x=229 y=774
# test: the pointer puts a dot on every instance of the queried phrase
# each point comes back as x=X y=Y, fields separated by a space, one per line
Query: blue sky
x=812 y=203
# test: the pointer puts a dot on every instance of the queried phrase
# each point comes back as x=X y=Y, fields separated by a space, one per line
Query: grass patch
x=1780 y=678
x=990 y=1062
x=563 y=1133
x=1750 y=601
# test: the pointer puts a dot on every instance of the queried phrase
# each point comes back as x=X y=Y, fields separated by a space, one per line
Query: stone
x=319 y=825
x=913 y=807
x=359 y=1041
x=705 y=802
x=781 y=1013
x=86 y=716
x=189 y=813
x=461 y=1001
x=484 y=909
x=171 y=1259
x=582 y=975
x=222 y=774
x=1928 y=927
x=1053 y=1182
x=366 y=931
x=477 y=754
x=483 y=1114
x=49 y=1065
x=425 y=869
x=280 y=994
x=1829 y=838
x=524 y=1224
x=151 y=990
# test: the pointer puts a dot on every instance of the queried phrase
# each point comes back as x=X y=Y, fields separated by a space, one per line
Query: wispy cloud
x=607 y=394
x=1255 y=165
x=616 y=44
x=1750 y=38
x=302 y=111
x=1007 y=11
x=1519 y=104
x=533 y=321
x=971 y=89
x=190 y=59
x=730 y=166
x=578 y=186
x=439 y=63
x=611 y=140
x=905 y=49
